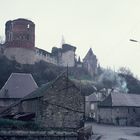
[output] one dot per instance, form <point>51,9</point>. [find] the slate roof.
<point>91,98</point>
<point>41,91</point>
<point>121,100</point>
<point>18,85</point>
<point>85,89</point>
<point>89,55</point>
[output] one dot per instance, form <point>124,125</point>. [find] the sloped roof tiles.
<point>121,100</point>
<point>18,85</point>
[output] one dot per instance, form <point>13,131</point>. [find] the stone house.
<point>57,104</point>
<point>17,86</point>
<point>91,106</point>
<point>119,109</point>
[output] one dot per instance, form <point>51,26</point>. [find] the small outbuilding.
<point>16,87</point>
<point>119,109</point>
<point>57,104</point>
<point>91,106</point>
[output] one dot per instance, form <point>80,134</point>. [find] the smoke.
<point>110,80</point>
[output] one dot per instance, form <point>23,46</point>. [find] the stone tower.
<point>90,63</point>
<point>20,40</point>
<point>20,33</point>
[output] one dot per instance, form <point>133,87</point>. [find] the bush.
<point>16,124</point>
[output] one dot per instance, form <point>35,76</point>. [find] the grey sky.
<point>104,25</point>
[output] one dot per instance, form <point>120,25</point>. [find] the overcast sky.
<point>104,25</point>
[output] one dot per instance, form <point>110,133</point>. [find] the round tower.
<point>20,33</point>
<point>20,41</point>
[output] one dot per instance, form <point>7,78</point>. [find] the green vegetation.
<point>17,125</point>
<point>42,72</point>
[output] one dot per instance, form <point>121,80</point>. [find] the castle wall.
<point>68,59</point>
<point>20,46</point>
<point>47,58</point>
<point>21,55</point>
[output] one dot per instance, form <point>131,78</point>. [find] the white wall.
<point>68,59</point>
<point>21,55</point>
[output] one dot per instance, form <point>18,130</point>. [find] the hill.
<point>42,72</point>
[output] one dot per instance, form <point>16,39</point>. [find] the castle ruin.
<point>20,46</point>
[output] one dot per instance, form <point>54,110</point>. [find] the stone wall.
<point>61,106</point>
<point>37,135</point>
<point>68,58</point>
<point>21,55</point>
<point>58,117</point>
<point>118,115</point>
<point>45,57</point>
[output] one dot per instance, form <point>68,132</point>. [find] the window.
<point>92,106</point>
<point>28,26</point>
<point>134,110</point>
<point>27,37</point>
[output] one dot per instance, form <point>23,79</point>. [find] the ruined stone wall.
<point>21,55</point>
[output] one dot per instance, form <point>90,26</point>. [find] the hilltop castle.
<point>20,46</point>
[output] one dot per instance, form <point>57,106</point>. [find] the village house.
<point>119,109</point>
<point>91,106</point>
<point>57,104</point>
<point>16,87</point>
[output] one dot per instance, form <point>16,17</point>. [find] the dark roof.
<point>67,47</point>
<point>86,88</point>
<point>18,85</point>
<point>42,90</point>
<point>91,98</point>
<point>121,100</point>
<point>89,55</point>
